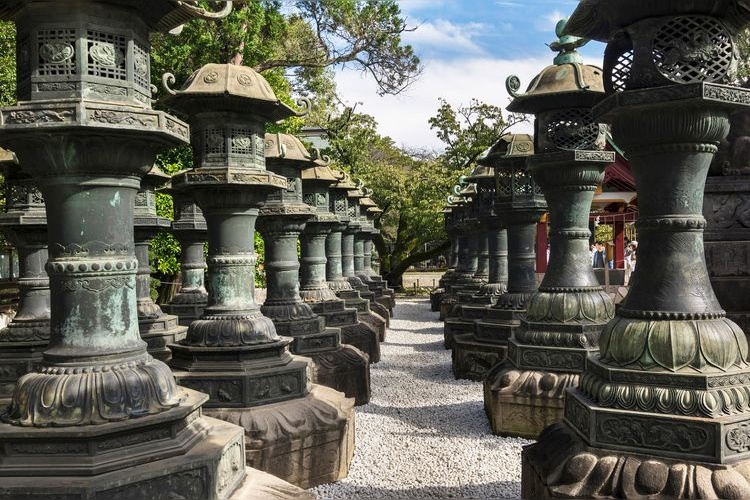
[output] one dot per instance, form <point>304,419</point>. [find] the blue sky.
<point>468,48</point>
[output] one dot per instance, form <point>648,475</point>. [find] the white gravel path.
<point>424,434</point>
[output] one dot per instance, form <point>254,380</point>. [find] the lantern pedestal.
<point>563,320</point>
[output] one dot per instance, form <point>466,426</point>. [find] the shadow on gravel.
<point>429,347</point>
<point>478,491</point>
<point>442,420</point>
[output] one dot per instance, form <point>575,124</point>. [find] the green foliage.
<point>467,131</point>
<point>7,63</point>
<point>260,273</point>
<point>743,44</point>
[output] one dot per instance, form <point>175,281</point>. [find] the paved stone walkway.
<point>424,434</point>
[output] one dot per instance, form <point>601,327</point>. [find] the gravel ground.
<point>424,434</point>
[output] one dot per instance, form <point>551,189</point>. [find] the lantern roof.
<point>568,83</point>
<point>509,146</point>
<point>602,19</point>
<point>228,87</point>
<point>286,148</point>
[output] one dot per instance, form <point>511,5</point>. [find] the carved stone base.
<point>561,465</point>
<point>472,359</point>
<point>262,485</point>
<point>186,313</point>
<point>436,296</point>
<point>498,325</point>
<point>376,322</point>
<point>346,369</point>
<point>306,441</point>
<point>352,299</point>
<point>16,359</point>
<point>447,303</point>
<point>159,332</point>
<point>522,403</point>
<point>387,303</point>
<point>353,331</point>
<point>454,327</point>
<point>174,454</point>
<point>382,311</point>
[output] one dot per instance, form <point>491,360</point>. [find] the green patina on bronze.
<point>672,380</point>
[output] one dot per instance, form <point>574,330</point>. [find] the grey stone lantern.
<point>491,230</point>
<point>665,405</point>
<point>100,417</point>
<point>314,290</point>
<point>464,258</point>
<point>348,238</point>
<point>436,295</point>
<point>157,329</point>
<point>24,224</point>
<point>382,294</point>
<point>339,206</point>
<point>190,230</point>
<point>233,351</point>
<point>564,318</point>
<point>282,220</point>
<point>519,203</point>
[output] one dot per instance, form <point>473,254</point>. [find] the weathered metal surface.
<point>672,380</point>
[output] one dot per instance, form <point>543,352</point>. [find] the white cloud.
<point>404,117</point>
<point>442,34</point>
<point>549,22</point>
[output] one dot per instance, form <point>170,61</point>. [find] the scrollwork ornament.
<point>513,85</point>
<point>56,52</point>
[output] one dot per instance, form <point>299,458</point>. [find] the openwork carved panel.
<point>522,184</point>
<point>56,51</point>
<point>106,55</point>
<point>309,199</point>
<point>692,49</point>
<point>242,142</point>
<point>573,129</point>
<point>141,66</point>
<point>214,141</point>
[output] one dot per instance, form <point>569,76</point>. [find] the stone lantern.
<point>314,290</point>
<point>564,318</point>
<point>100,417</point>
<point>24,224</point>
<point>157,329</point>
<point>664,411</point>
<point>189,228</point>
<point>383,294</point>
<point>464,258</point>
<point>436,295</point>
<point>519,203</point>
<point>339,206</point>
<point>282,220</point>
<point>348,254</point>
<point>233,352</point>
<point>491,228</point>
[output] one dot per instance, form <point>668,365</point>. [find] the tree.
<point>468,130</point>
<point>364,34</point>
<point>7,63</point>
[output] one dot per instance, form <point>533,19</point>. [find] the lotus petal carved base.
<point>17,359</point>
<point>116,390</point>
<point>306,441</point>
<point>321,294</point>
<point>231,330</point>
<point>472,359</point>
<point>570,306</point>
<point>522,403</point>
<point>561,465</point>
<point>340,285</point>
<point>346,369</point>
<point>160,332</point>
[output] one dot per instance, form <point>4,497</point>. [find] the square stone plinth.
<point>306,441</point>
<point>522,416</point>
<point>456,326</point>
<point>472,358</point>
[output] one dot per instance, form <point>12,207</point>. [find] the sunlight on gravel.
<point>424,434</point>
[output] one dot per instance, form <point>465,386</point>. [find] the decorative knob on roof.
<point>566,45</point>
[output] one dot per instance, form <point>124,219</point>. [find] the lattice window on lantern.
<point>56,50</point>
<point>321,200</point>
<point>141,66</point>
<point>621,71</point>
<point>503,187</point>
<point>351,211</point>
<point>486,198</point>
<point>339,205</point>
<point>573,129</point>
<point>309,199</point>
<point>106,55</point>
<point>215,142</point>
<point>522,182</point>
<point>242,142</point>
<point>692,49</point>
